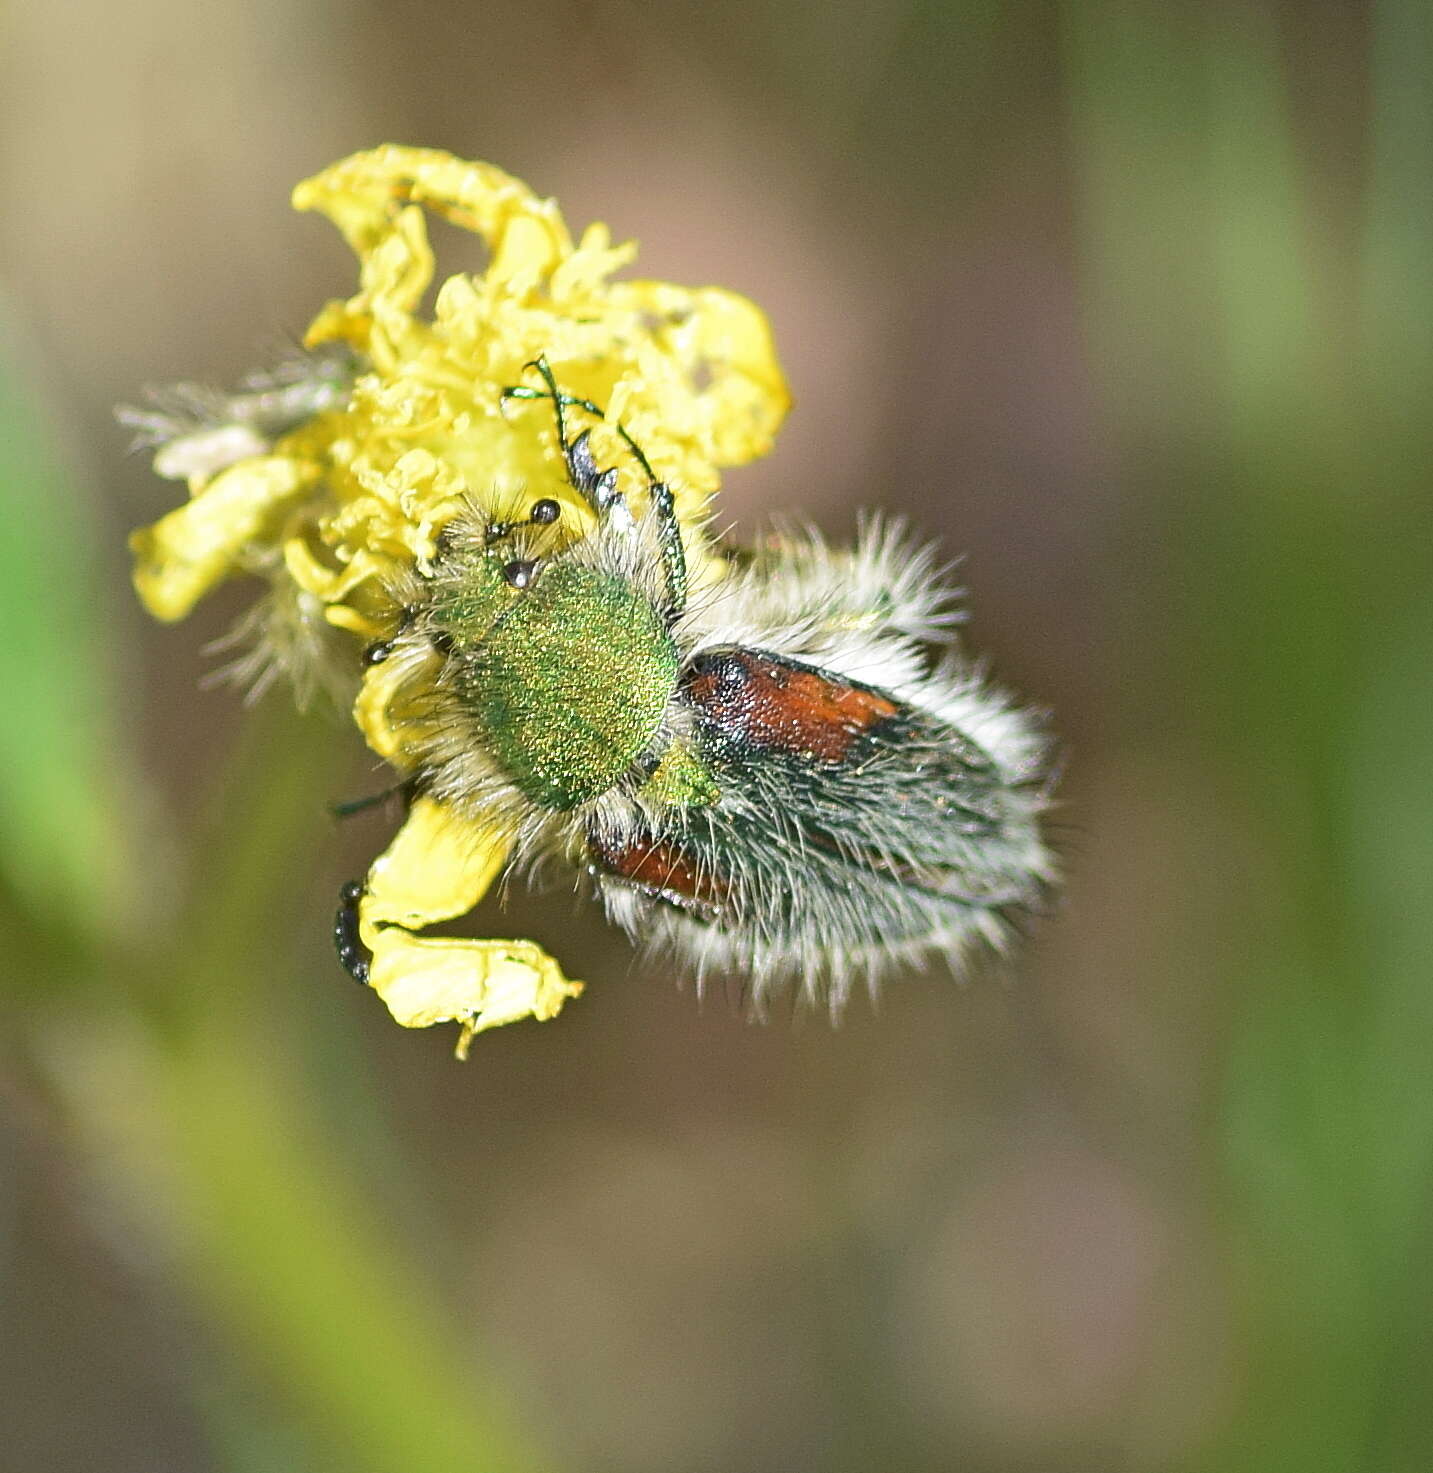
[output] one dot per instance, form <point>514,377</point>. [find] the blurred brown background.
<point>1126,302</point>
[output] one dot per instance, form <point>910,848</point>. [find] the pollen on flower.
<point>333,500</point>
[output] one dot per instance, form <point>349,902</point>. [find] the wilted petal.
<point>438,867</point>
<point>183,555</point>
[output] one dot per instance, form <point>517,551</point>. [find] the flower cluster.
<point>332,486</point>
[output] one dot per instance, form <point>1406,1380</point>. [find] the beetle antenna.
<point>599,488</point>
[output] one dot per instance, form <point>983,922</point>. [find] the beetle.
<point>792,773</point>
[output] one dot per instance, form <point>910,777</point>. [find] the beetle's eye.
<point>520,572</point>
<point>545,512</point>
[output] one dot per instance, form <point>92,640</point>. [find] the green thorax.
<point>571,683</point>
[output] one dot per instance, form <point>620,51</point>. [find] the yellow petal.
<point>328,584</point>
<point>439,866</point>
<point>364,192</point>
<point>480,984</point>
<point>183,555</point>
<point>342,616</point>
<point>586,271</point>
<point>722,342</point>
<point>380,692</point>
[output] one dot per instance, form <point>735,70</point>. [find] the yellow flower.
<point>333,513</point>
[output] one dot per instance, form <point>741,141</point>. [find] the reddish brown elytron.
<point>661,869</point>
<point>773,703</point>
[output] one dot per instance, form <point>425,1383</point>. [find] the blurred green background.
<point>1130,304</point>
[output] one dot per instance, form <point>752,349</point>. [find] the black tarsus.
<point>408,789</point>
<point>355,956</point>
